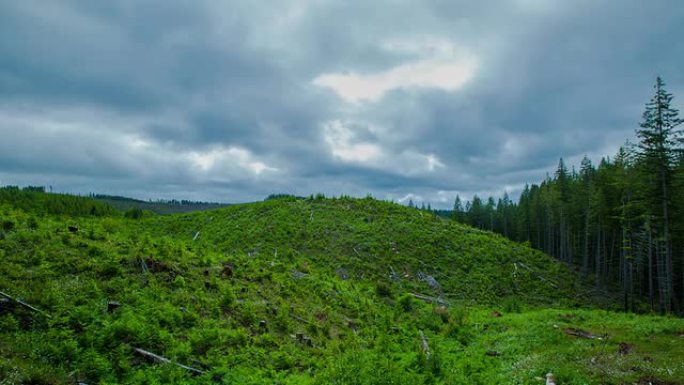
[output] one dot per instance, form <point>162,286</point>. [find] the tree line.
<point>35,199</point>
<point>620,222</point>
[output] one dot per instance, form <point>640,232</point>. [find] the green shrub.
<point>458,316</point>
<point>511,305</point>
<point>32,223</point>
<point>7,225</point>
<point>8,323</point>
<point>134,213</point>
<point>383,289</point>
<point>406,303</point>
<point>228,298</point>
<point>93,366</point>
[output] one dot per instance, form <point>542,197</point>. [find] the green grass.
<point>337,271</point>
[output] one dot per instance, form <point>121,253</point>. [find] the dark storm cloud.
<point>235,100</point>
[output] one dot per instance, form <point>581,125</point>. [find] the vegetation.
<point>622,222</point>
<point>35,200</point>
<point>159,206</point>
<point>303,291</point>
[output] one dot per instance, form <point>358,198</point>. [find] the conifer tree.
<point>459,213</point>
<point>659,140</point>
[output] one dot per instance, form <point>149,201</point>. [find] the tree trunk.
<point>598,270</point>
<point>650,266</point>
<point>585,246</point>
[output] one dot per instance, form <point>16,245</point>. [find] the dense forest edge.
<point>621,222</point>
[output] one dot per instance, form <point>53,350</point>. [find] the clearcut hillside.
<point>376,241</point>
<point>300,291</point>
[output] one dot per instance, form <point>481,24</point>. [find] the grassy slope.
<point>288,259</point>
<point>371,240</point>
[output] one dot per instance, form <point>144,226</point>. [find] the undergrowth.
<point>304,291</point>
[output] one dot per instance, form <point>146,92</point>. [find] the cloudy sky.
<point>233,100</point>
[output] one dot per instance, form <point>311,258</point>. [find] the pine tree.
<point>459,213</point>
<point>563,187</point>
<point>585,200</point>
<point>476,213</point>
<point>659,141</point>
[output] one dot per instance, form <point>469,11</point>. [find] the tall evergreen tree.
<point>659,140</point>
<point>584,199</point>
<point>459,213</point>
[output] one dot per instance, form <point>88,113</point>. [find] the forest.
<point>620,222</point>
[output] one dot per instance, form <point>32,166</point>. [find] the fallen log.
<point>553,284</point>
<point>24,304</point>
<point>300,319</point>
<point>424,344</point>
<point>164,360</point>
<point>429,299</point>
<point>582,334</point>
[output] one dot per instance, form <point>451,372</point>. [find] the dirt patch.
<point>624,348</point>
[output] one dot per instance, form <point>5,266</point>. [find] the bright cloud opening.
<point>433,162</point>
<point>218,157</point>
<point>340,140</point>
<point>441,67</point>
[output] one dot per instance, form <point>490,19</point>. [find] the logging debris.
<point>430,280</point>
<point>301,338</point>
<point>23,304</point>
<point>582,334</point>
<point>424,344</point>
<point>112,305</point>
<point>553,284</point>
<point>164,360</point>
<point>429,299</point>
<point>550,379</point>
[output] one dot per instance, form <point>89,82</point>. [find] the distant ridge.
<point>160,206</point>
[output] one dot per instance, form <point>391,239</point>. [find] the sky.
<point>231,101</point>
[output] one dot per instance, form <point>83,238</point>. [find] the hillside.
<point>304,291</point>
<point>163,207</point>
<point>371,240</point>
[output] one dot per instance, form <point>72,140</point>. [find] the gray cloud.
<point>224,101</point>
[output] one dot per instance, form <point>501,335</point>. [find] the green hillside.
<point>375,241</point>
<point>304,291</point>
